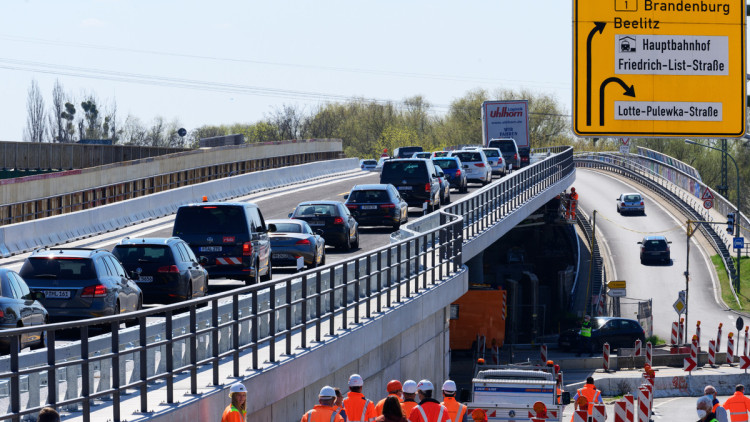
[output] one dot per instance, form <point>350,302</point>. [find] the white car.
<point>368,165</point>
<point>495,157</point>
<point>425,155</point>
<point>475,164</point>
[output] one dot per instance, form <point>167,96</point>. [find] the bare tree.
<point>36,117</point>
<point>288,121</point>
<point>56,120</point>
<point>133,132</point>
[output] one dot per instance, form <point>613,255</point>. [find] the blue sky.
<point>269,53</point>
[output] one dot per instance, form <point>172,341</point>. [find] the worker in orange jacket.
<point>458,412</point>
<point>738,405</point>
<point>394,389</point>
<point>326,410</point>
<point>357,407</point>
<point>429,409</point>
<point>410,397</point>
<point>591,393</point>
<point>236,411</point>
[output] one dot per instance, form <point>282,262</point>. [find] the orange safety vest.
<point>429,411</point>
<point>456,410</point>
<point>320,413</point>
<point>738,405</point>
<point>381,403</point>
<point>232,414</point>
<point>591,394</point>
<point>407,406</point>
<point>358,408</point>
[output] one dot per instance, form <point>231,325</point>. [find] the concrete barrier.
<point>27,236</point>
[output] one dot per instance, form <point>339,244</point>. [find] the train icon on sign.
<point>627,44</point>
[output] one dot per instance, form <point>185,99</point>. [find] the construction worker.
<point>703,407</point>
<point>340,403</point>
<point>429,409</point>
<point>410,393</point>
<point>738,405</point>
<point>573,203</point>
<point>591,393</point>
<point>325,410</point>
<point>584,335</point>
<point>236,412</point>
<point>458,412</point>
<point>717,409</point>
<point>357,407</point>
<point>393,388</point>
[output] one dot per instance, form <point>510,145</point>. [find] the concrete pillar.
<point>514,295</point>
<point>34,387</point>
<point>71,386</point>
<point>535,308</point>
<point>105,375</point>
<point>476,269</point>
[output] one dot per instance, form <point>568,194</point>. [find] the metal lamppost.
<point>737,218</point>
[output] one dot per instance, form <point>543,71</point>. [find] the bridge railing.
<point>273,319</point>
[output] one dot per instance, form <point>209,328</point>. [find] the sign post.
<point>641,68</point>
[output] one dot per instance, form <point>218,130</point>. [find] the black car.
<point>415,179</point>
<point>229,238</point>
<point>406,152</point>
<point>294,239</point>
<point>655,248</point>
<point>618,332</point>
<point>164,268</point>
<point>339,228</point>
<point>377,205</point>
<point>81,283</point>
<point>19,307</point>
<point>509,148</point>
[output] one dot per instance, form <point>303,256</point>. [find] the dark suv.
<point>655,248</point>
<point>164,268</point>
<point>415,179</point>
<point>406,152</point>
<point>230,239</point>
<point>80,283</point>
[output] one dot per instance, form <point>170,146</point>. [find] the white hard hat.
<point>356,381</point>
<point>237,387</point>
<point>327,392</point>
<point>424,385</point>
<point>449,386</point>
<point>410,387</point>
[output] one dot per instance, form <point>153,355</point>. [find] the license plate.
<point>56,294</point>
<point>316,223</point>
<point>145,279</point>
<point>369,207</point>
<point>404,188</point>
<point>210,249</point>
<point>280,256</point>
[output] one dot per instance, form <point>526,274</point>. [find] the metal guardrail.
<point>665,188</point>
<point>17,212</point>
<point>598,272</point>
<point>270,316</point>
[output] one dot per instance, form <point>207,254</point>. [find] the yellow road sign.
<point>659,68</point>
<point>616,284</point>
<point>679,306</point>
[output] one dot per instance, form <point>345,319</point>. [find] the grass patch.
<point>655,340</point>
<point>726,291</point>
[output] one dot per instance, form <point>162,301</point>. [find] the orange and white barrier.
<point>681,331</point>
<point>744,352</point>
<point>638,348</point>
<point>630,406</point>
<point>621,411</point>
<point>599,414</point>
<point>730,348</point>
<point>543,353</point>
<point>644,407</point>
<point>605,355</point>
<point>674,338</point>
<point>712,352</point>
<point>649,353</point>
<point>718,338</point>
<point>698,332</point>
<point>580,416</point>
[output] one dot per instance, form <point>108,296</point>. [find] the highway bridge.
<point>380,311</point>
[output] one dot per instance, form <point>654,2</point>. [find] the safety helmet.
<point>550,363</point>
<point>572,189</point>
<point>410,387</point>
<point>327,392</point>
<point>424,385</point>
<point>356,381</point>
<point>449,386</point>
<point>237,387</point>
<point>393,385</point>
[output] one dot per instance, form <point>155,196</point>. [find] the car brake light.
<point>641,202</point>
<point>351,206</point>
<point>247,249</point>
<point>479,164</point>
<point>458,172</point>
<point>427,187</point>
<point>338,220</point>
<point>2,314</point>
<point>362,166</point>
<point>515,156</point>
<point>303,242</point>
<point>667,248</point>
<point>388,206</point>
<point>168,269</point>
<point>208,208</point>
<point>94,291</point>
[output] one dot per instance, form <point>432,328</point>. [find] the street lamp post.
<point>737,218</point>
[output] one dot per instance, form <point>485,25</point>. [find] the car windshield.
<point>440,153</point>
<point>468,156</point>
<point>398,170</point>
<point>62,268</point>
<point>316,210</point>
<point>506,146</point>
<point>422,155</point>
<point>288,228</point>
<point>598,322</point>
<point>632,198</point>
<point>655,245</point>
<point>491,153</point>
<point>447,164</point>
<point>368,196</point>
<point>136,254</point>
<point>370,162</point>
<point>210,219</point>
